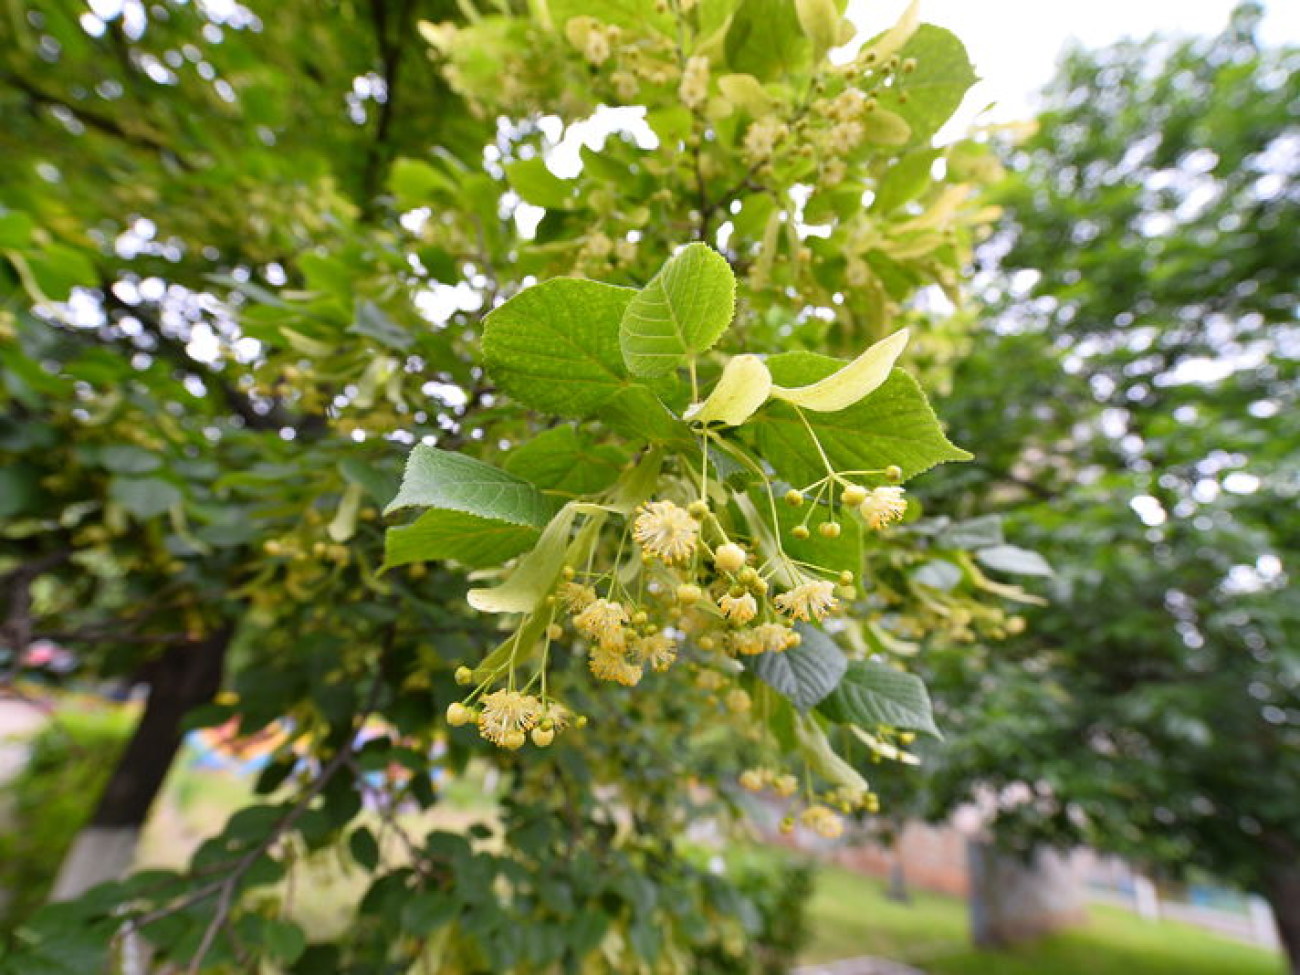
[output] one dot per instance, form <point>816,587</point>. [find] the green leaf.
<point>144,497</point>
<point>425,913</point>
<point>379,484</point>
<point>805,673</point>
<point>979,532</point>
<point>638,413</point>
<point>904,181</point>
<point>537,185</point>
<point>440,479</point>
<point>15,229</point>
<point>416,183</point>
<point>874,694</point>
<point>766,40</point>
<point>886,128</point>
<point>19,489</point>
<point>58,269</point>
<point>555,346</point>
<point>1018,561</point>
<point>682,311</point>
<point>373,322</point>
<point>284,940</point>
<point>566,462</point>
<point>129,459</point>
<point>942,77</point>
<point>894,425</point>
<point>364,848</point>
<point>468,539</point>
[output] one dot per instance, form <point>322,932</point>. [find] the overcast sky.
<point>1014,44</point>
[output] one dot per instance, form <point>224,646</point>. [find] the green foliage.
<point>222,342</point>
<point>1151,458</point>
<point>50,799</point>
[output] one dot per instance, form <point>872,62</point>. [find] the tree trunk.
<point>1282,891</point>
<point>897,873</point>
<point>1014,899</point>
<point>184,677</point>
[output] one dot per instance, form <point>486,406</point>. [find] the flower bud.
<point>729,557</point>
<point>458,715</point>
<point>542,737</point>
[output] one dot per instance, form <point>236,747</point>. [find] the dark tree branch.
<point>105,124</point>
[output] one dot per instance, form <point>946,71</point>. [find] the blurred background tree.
<point>1134,396</point>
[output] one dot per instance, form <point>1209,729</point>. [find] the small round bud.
<point>729,557</point>
<point>800,531</point>
<point>829,529</point>
<point>706,643</point>
<point>640,617</point>
<point>749,575</point>
<point>580,721</point>
<point>568,572</point>
<point>650,629</point>
<point>785,785</point>
<point>846,578</point>
<point>513,740</point>
<point>854,494</point>
<point>906,737</point>
<point>464,675</point>
<point>458,715</point>
<point>893,473</point>
<point>554,631</point>
<point>794,498</point>
<point>787,825</point>
<point>689,593</point>
<point>698,509</point>
<point>542,737</point>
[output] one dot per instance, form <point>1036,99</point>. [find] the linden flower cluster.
<point>507,717</point>
<point>819,816</point>
<point>695,582</point>
<point>879,507</point>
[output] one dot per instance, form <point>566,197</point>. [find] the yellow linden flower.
<point>747,642</point>
<point>774,637</point>
<point>506,712</point>
<point>822,821</point>
<point>603,621</point>
<point>808,600</point>
<point>883,506</point>
<point>575,597</point>
<point>658,650</point>
<point>739,609</point>
<point>558,715</point>
<point>667,531</point>
<point>611,664</point>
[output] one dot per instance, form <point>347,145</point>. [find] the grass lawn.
<point>851,916</point>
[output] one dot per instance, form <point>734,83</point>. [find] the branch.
<point>390,58</point>
<point>100,123</point>
<point>224,888</point>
